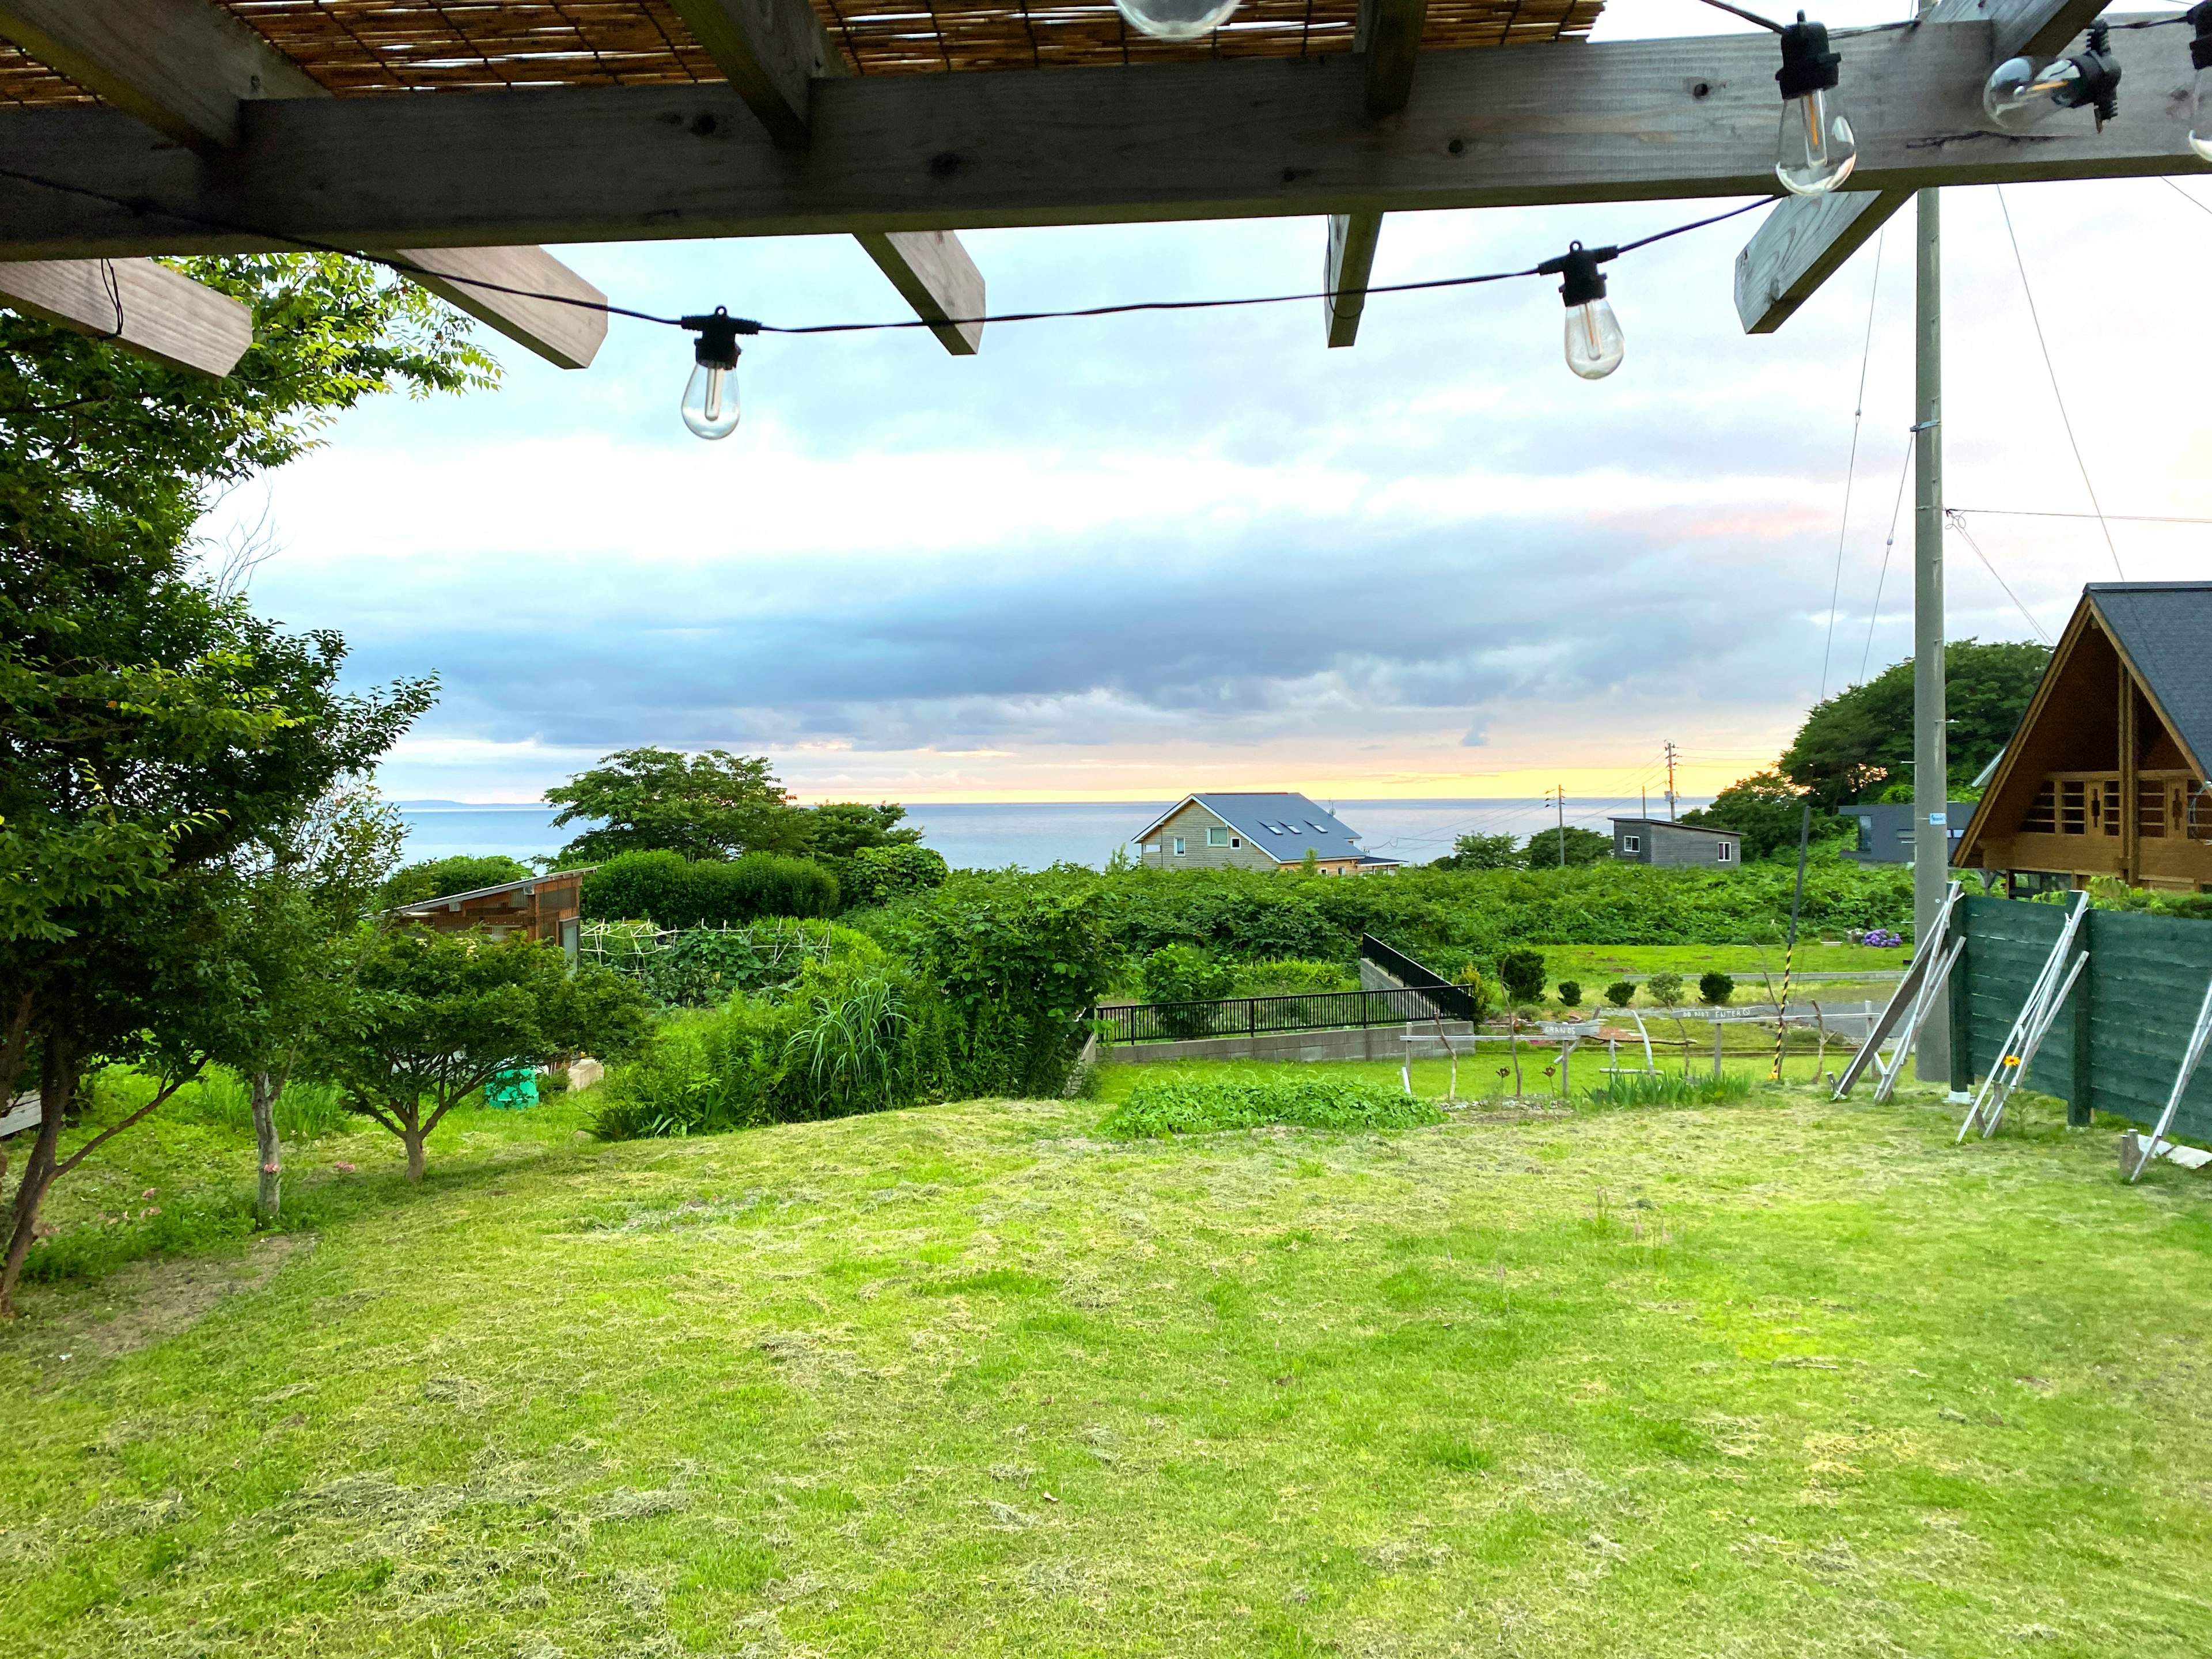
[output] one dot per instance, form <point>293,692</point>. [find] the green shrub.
<point>877,875</point>
<point>1625,1088</point>
<point>1715,988</point>
<point>1524,973</point>
<point>675,891</point>
<point>1621,992</point>
<point>305,1111</point>
<point>1185,1106</point>
<point>1019,966</point>
<point>1666,989</point>
<point>1570,993</point>
<point>1289,975</point>
<point>1182,973</point>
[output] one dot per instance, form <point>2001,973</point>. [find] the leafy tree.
<point>1715,988</point>
<point>1859,742</point>
<point>1766,810</point>
<point>443,877</point>
<point>1621,992</point>
<point>434,1016</point>
<point>1483,853</point>
<point>1666,988</point>
<point>1570,993</point>
<point>297,934</point>
<point>1582,847</point>
<point>839,828</point>
<point>154,727</point>
<point>1522,972</point>
<point>711,806</point>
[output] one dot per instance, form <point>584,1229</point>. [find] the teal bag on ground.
<point>513,1091</point>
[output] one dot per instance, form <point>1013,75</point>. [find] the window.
<point>1316,828</point>
<point>1236,840</point>
<point>1727,853</point>
<point>1178,846</point>
<point>1632,843</point>
<point>1866,834</point>
<point>1217,837</point>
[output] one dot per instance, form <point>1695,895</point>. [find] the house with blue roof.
<point>1261,831</point>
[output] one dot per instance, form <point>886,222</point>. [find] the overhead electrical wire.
<point>1959,524</point>
<point>1851,468</point>
<point>2050,368</point>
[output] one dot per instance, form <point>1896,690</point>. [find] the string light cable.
<point>716,350</point>
<point>1896,509</point>
<point>1850,467</point>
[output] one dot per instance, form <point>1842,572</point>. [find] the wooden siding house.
<point>1677,846</point>
<point>540,907</point>
<point>1269,831</point>
<point>2106,774</point>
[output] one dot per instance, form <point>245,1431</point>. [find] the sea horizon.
<point>1033,834</point>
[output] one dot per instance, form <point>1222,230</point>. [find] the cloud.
<point>1137,554</point>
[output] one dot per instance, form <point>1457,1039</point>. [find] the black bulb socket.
<point>1581,281</point>
<point>2098,71</point>
<point>1808,65</point>
<point>2200,49</point>
<point>717,345</point>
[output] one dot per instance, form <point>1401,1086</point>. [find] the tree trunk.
<point>413,1139</point>
<point>57,1084</point>
<point>267,1092</point>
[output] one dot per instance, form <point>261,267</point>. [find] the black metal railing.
<point>1235,1016</point>
<point>1452,1001</point>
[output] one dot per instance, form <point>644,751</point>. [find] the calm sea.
<point>1031,835</point>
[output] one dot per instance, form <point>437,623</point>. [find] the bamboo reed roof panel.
<point>366,47</point>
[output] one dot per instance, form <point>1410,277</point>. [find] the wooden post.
<point>2131,784</point>
<point>1716,1046</point>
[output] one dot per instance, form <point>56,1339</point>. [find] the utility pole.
<point>1931,769</point>
<point>1670,779</point>
<point>1559,794</point>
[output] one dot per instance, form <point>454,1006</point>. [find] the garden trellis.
<point>705,963</point>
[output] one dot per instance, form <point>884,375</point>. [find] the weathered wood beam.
<point>936,277</point>
<point>149,309</point>
<point>1389,35</point>
<point>565,335</point>
<point>1390,39</point>
<point>1806,239</point>
<point>1623,121</point>
<point>1345,273</point>
<point>183,67</point>
<point>186,69</point>
<point>772,51</point>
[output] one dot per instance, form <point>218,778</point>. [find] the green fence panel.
<point>2144,984</point>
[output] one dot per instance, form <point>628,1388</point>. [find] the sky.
<point>1125,558</point>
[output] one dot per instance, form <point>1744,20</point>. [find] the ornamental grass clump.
<point>1627,1089</point>
<point>1188,1106</point>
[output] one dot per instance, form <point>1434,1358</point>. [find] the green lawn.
<point>1785,1378</point>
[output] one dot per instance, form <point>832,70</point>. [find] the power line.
<point>2050,369</point>
<point>2030,512</point>
<point>1959,524</point>
<point>1887,547</point>
<point>1850,469</point>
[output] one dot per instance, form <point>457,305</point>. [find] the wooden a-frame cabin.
<point>2106,775</point>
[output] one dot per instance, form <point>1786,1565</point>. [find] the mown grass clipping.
<point>1188,1106</point>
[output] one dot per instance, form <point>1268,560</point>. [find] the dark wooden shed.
<point>540,907</point>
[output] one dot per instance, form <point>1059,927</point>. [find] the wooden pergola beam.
<point>188,70</point>
<point>1807,239</point>
<point>1213,140</point>
<point>772,52</point>
<point>1390,39</point>
<point>142,307</point>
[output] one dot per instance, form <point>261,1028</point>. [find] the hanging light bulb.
<point>1595,347</point>
<point>2200,94</point>
<point>1176,20</point>
<point>1815,151</point>
<point>710,397</point>
<point>2018,95</point>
